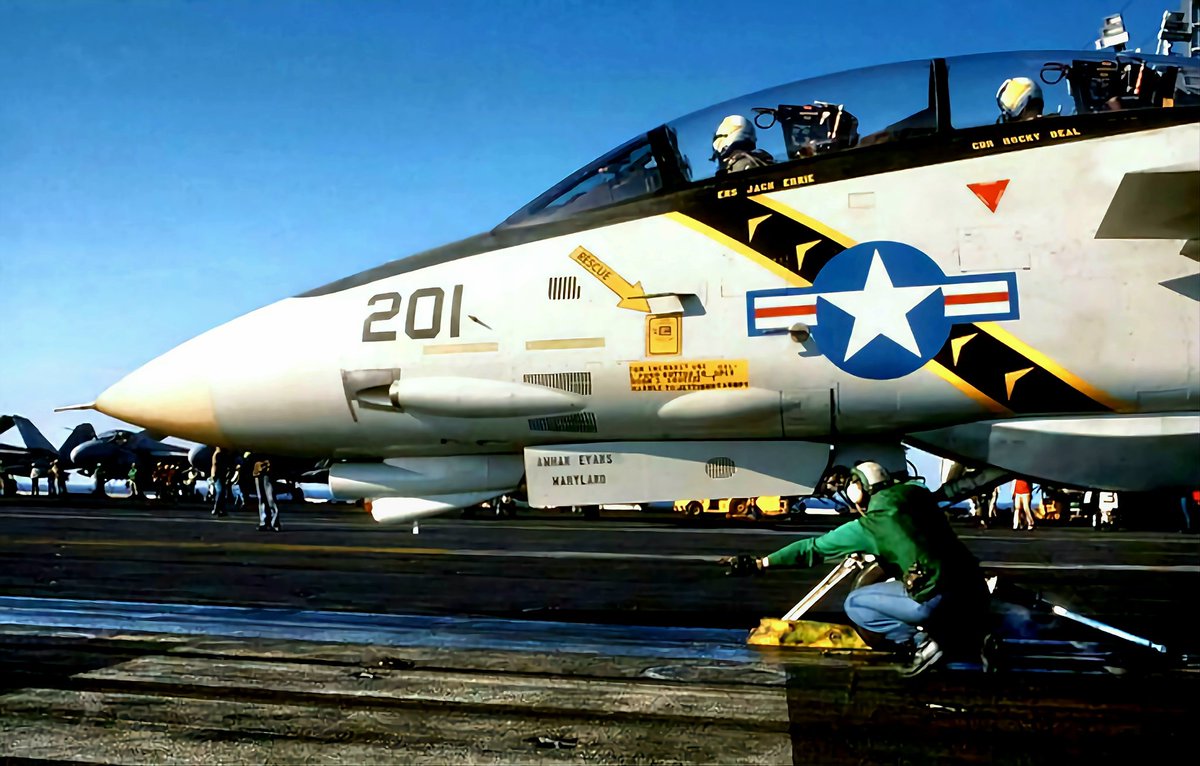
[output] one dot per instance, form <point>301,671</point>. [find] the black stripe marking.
<point>775,238</point>
<point>984,361</point>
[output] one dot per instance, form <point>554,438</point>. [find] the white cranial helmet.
<point>871,476</point>
<point>733,129</point>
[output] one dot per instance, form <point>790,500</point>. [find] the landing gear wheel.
<point>507,506</point>
<point>737,507</point>
<point>694,509</point>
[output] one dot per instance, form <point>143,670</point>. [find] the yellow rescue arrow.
<point>630,294</point>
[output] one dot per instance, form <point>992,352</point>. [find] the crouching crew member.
<point>939,599</point>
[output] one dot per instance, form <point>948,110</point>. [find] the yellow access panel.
<point>664,335</point>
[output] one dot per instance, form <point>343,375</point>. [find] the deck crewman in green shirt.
<point>938,598</point>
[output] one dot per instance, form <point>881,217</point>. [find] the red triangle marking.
<point>990,193</point>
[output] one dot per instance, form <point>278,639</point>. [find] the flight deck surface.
<point>134,634</point>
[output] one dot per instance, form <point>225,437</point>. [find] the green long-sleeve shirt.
<point>836,543</point>
<point>903,527</point>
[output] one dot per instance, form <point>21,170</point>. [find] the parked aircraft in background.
<point>36,450</point>
<point>117,450</point>
<point>1014,286</point>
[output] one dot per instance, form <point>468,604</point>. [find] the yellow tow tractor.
<point>754,508</point>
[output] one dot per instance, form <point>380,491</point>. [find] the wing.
<point>147,443</point>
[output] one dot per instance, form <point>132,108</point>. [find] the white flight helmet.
<point>733,129</point>
<point>866,479</point>
<point>1017,94</point>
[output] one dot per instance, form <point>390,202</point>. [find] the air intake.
<point>571,382</point>
<point>563,289</point>
<point>578,423</point>
<point>720,468</point>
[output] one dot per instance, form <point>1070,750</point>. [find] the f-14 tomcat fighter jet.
<point>992,257</point>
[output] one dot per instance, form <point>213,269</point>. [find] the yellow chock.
<point>805,633</point>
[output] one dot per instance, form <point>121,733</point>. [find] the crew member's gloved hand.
<point>742,565</point>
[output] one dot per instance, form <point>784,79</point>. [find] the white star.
<point>880,309</point>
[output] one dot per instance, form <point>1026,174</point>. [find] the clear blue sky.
<point>167,166</point>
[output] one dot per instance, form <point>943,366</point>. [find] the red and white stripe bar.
<point>972,298</point>
<point>779,312</point>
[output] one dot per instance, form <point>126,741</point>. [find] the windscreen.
<point>1066,83</point>
<point>811,117</point>
<point>626,173</point>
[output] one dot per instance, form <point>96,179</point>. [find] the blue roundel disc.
<point>880,310</point>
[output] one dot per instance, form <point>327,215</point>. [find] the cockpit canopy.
<point>851,111</point>
<point>118,437</point>
<point>810,129</point>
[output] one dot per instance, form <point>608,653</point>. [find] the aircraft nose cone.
<point>170,395</point>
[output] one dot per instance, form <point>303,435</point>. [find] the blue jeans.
<point>218,495</point>
<point>887,609</point>
<point>268,512</point>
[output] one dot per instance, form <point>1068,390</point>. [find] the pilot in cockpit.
<point>1019,99</point>
<point>735,146</point>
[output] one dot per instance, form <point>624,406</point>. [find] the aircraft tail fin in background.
<point>32,436</point>
<point>84,432</point>
<point>6,422</point>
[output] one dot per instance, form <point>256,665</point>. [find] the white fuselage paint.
<point>1094,306</point>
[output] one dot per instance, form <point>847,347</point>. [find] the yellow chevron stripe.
<point>987,402</point>
<point>731,243</point>
<point>1053,367</point>
<point>812,223</point>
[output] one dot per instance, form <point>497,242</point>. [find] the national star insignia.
<point>881,308</point>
